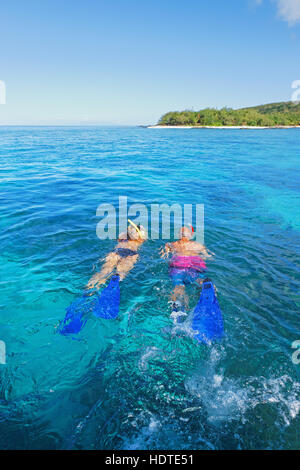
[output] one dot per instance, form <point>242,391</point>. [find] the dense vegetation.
<point>274,114</point>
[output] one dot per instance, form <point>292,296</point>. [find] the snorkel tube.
<point>136,228</point>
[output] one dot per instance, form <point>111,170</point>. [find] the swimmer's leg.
<point>177,292</point>
<point>125,265</point>
<point>178,277</point>
<point>111,261</point>
<point>179,303</point>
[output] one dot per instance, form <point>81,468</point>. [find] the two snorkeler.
<point>186,266</point>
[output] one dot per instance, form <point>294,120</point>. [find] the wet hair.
<point>131,231</point>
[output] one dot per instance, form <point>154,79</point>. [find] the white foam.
<point>150,353</point>
<point>228,399</point>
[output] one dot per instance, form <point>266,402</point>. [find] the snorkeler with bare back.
<point>123,258</point>
<point>186,266</point>
<point>104,302</point>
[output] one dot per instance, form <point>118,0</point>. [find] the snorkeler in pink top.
<point>187,266</point>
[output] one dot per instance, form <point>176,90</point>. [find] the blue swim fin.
<point>103,305</point>
<point>207,318</point>
<point>76,315</point>
<point>108,302</point>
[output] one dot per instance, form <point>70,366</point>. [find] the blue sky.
<point>128,62</point>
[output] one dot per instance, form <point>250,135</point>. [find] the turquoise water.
<point>136,383</point>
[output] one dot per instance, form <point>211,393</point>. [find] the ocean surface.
<point>137,382</point>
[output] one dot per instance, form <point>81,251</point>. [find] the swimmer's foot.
<point>95,282</point>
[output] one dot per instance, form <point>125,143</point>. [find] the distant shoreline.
<point>283,115</point>
<point>221,127</point>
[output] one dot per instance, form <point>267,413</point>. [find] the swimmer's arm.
<point>204,251</point>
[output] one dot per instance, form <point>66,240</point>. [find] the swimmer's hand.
<point>210,253</point>
<point>205,252</point>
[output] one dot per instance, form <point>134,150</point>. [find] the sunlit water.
<point>135,382</point>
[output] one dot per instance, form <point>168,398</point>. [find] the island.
<point>273,115</point>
